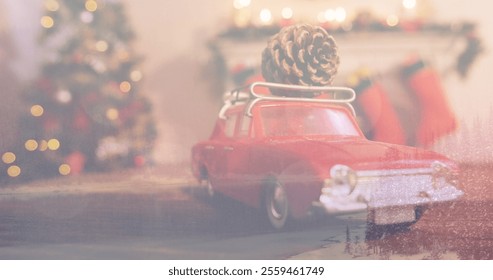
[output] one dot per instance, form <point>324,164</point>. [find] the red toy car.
<point>289,155</point>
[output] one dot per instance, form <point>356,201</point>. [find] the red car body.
<point>287,155</point>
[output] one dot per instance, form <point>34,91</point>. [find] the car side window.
<point>244,130</point>
<point>229,129</point>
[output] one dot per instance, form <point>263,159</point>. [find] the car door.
<point>222,147</point>
<point>237,153</point>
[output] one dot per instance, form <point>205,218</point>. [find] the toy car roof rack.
<point>306,94</point>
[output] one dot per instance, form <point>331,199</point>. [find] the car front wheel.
<point>276,205</point>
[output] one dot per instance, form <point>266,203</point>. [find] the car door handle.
<point>209,147</point>
<point>227,148</point>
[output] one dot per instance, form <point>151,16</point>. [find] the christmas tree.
<point>9,105</point>
<point>85,113</point>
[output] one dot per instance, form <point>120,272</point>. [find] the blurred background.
<point>102,85</point>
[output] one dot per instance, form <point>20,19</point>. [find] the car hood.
<point>361,154</point>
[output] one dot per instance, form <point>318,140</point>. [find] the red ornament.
<point>76,160</point>
<point>411,25</point>
<point>51,124</point>
<point>139,161</point>
<point>45,85</point>
<point>81,121</point>
<point>131,110</point>
<point>286,22</point>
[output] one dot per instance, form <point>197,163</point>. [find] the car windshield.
<point>306,120</point>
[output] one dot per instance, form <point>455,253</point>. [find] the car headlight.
<point>441,170</point>
<point>344,175</point>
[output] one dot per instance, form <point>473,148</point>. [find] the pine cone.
<point>301,55</point>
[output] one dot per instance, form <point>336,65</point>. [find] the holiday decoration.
<point>301,55</point>
<point>381,122</point>
<point>474,47</point>
<point>411,18</point>
<point>308,154</point>
<point>9,105</point>
<point>436,117</point>
<point>87,93</point>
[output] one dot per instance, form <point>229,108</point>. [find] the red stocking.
<point>383,122</point>
<point>436,117</point>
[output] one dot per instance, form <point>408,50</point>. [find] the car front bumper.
<point>387,188</point>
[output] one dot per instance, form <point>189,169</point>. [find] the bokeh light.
<point>63,96</point>
<point>392,20</point>
<point>409,4</point>
<point>31,145</point>
<point>47,22</point>
<point>136,75</point>
<point>340,14</point>
<point>329,15</point>
<point>37,110</point>
<point>240,4</point>
<point>91,5</point>
<point>52,5</point>
<point>287,13</point>
<point>53,144</point>
<point>14,171</point>
<point>86,17</point>
<point>43,145</point>
<point>112,114</point>
<point>265,16</point>
<point>101,46</point>
<point>8,157</point>
<point>125,86</point>
<point>123,55</point>
<point>64,169</point>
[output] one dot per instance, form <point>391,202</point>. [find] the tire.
<point>276,205</point>
<point>209,188</point>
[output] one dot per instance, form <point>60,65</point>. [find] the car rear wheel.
<point>209,188</point>
<point>276,205</point>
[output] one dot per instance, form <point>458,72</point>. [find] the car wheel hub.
<point>278,203</point>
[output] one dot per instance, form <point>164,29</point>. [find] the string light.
<point>101,46</point>
<point>86,17</point>
<point>392,20</point>
<point>125,87</point>
<point>265,16</point>
<point>8,157</point>
<point>340,14</point>
<point>240,4</point>
<point>31,145</point>
<point>37,110</point>
<point>52,5</point>
<point>91,5</point>
<point>47,22</point>
<point>330,15</point>
<point>64,169</point>
<point>136,75</point>
<point>14,171</point>
<point>43,145</point>
<point>242,19</point>
<point>63,96</point>
<point>123,55</point>
<point>287,13</point>
<point>112,114</point>
<point>409,4</point>
<point>53,144</point>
